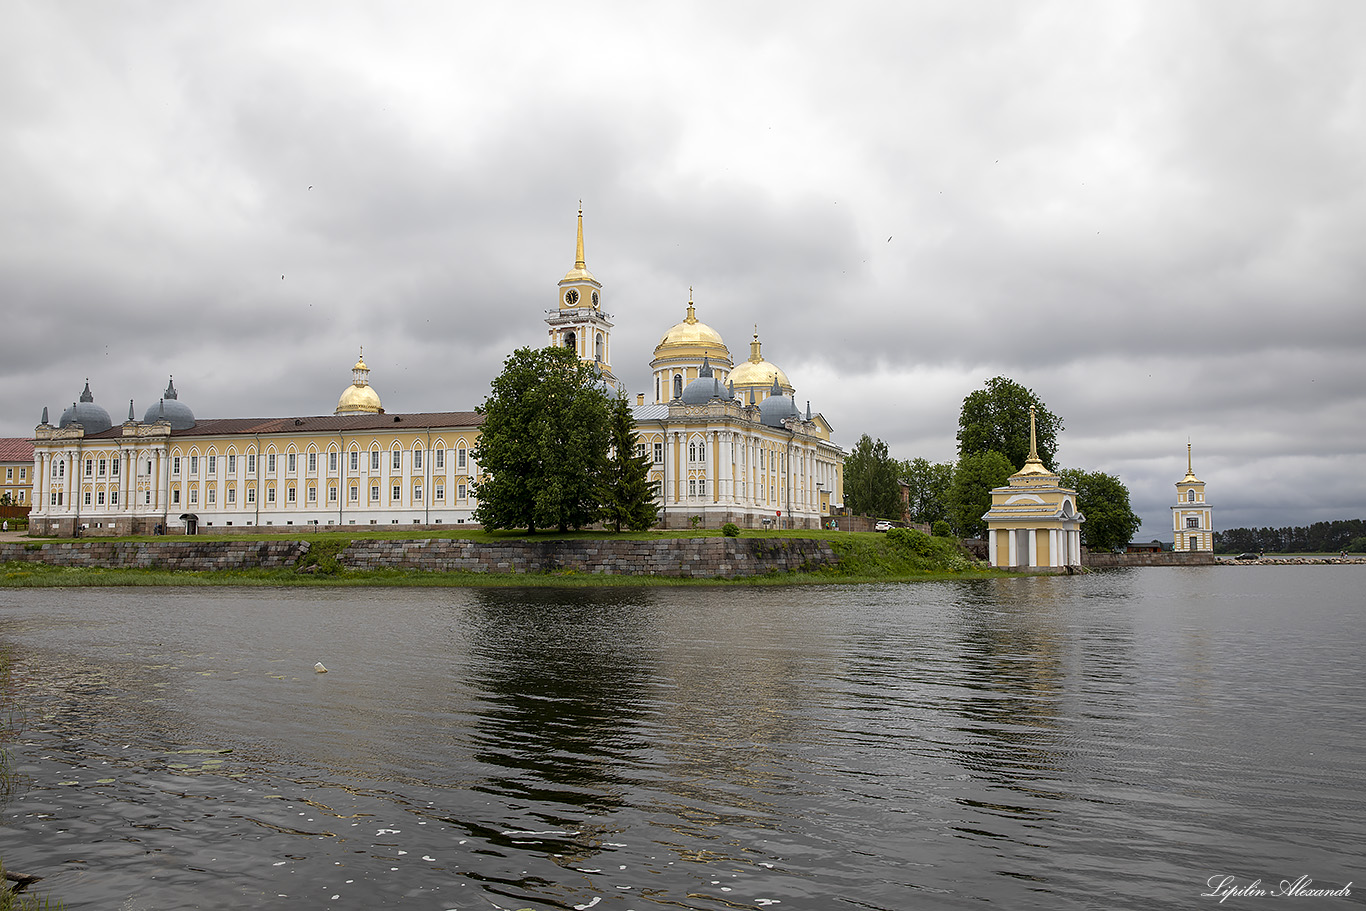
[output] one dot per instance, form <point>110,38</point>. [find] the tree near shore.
<point>626,495</point>
<point>542,449</point>
<point>970,496</point>
<point>1104,501</point>
<point>996,418</point>
<point>870,481</point>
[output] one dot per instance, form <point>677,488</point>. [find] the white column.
<point>991,546</point>
<point>1011,536</point>
<point>1054,558</point>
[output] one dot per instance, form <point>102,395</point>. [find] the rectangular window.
<point>1192,522</point>
<point>355,460</point>
<point>398,492</point>
<point>417,494</point>
<point>89,467</point>
<point>290,495</point>
<point>175,496</point>
<point>114,468</point>
<point>270,494</point>
<point>417,460</point>
<point>194,464</point>
<point>640,450</point>
<point>460,491</point>
<point>99,498</point>
<point>232,463</point>
<point>658,487</point>
<point>398,460</point>
<point>213,464</point>
<point>23,473</point>
<point>194,495</point>
<point>374,460</point>
<point>702,487</point>
<point>312,494</point>
<point>331,461</point>
<point>270,463</point>
<point>439,493</point>
<point>232,494</point>
<point>103,464</point>
<point>312,462</point>
<point>52,495</point>
<point>355,493</point>
<point>211,495</point>
<point>374,494</point>
<point>9,474</point>
<point>692,488</point>
<point>147,497</point>
<point>293,463</point>
<point>251,494</point>
<point>332,494</point>
<point>441,458</point>
<point>659,453</point>
<point>460,457</point>
<point>251,463</point>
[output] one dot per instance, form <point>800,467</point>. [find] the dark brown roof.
<point>15,450</point>
<point>327,423</point>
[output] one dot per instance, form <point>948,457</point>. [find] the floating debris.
<point>319,668</point>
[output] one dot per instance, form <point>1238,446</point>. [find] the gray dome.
<point>778,408</point>
<point>170,409</point>
<point>86,413</point>
<point>703,390</point>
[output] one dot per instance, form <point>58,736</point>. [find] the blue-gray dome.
<point>90,416</point>
<point>777,407</point>
<point>703,390</point>
<point>170,408</point>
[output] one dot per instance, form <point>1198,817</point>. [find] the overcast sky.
<point>1153,214</point>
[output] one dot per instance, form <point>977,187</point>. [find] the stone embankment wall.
<point>695,558</point>
<point>1163,558</point>
<point>688,558</point>
<point>181,553</point>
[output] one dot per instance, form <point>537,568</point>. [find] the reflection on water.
<point>1104,741</point>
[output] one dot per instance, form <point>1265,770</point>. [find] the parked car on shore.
<point>883,525</point>
<point>1248,557</point>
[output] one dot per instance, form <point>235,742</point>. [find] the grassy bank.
<point>901,555</point>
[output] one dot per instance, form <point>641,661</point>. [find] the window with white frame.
<point>114,467</point>
<point>175,496</point>
<point>270,463</point>
<point>417,493</point>
<point>290,495</point>
<point>460,491</point>
<point>417,460</point>
<point>113,498</point>
<point>312,494</point>
<point>374,460</point>
<point>210,495</point>
<point>355,460</point>
<point>355,493</point>
<point>89,467</point>
<point>439,492</point>
<point>659,453</point>
<point>232,463</point>
<point>251,463</point>
<point>194,495</point>
<point>293,463</point>
<point>331,461</point>
<point>194,464</point>
<point>374,494</point>
<point>460,457</point>
<point>398,493</point>
<point>232,495</point>
<point>270,494</point>
<point>213,464</point>
<point>251,494</point>
<point>1192,521</point>
<point>331,494</point>
<point>312,462</point>
<point>398,460</point>
<point>440,458</point>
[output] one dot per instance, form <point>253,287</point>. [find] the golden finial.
<point>692,314</point>
<point>1033,445</point>
<point>1189,469</point>
<point>578,249</point>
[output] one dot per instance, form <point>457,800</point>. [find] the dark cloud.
<point>1150,214</point>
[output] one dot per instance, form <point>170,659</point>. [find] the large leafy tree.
<point>997,418</point>
<point>871,487</point>
<point>542,448</point>
<point>1104,501</point>
<point>929,484</point>
<point>970,495</point>
<point>627,497</point>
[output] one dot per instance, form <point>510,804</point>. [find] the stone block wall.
<point>1165,558</point>
<point>179,554</point>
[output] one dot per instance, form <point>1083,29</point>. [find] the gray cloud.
<point>1149,213</point>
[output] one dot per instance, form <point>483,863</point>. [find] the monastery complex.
<point>727,443</point>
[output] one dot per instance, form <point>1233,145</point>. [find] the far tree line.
<point>993,443</point>
<point>1319,538</point>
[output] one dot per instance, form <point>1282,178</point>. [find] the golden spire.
<point>692,314</point>
<point>578,248</point>
<point>755,356</point>
<point>1189,469</point>
<point>1033,465</point>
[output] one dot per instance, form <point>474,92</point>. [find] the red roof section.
<point>16,450</point>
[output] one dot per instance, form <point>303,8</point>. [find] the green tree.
<point>997,418</point>
<point>542,448</point>
<point>870,480</point>
<point>929,484</point>
<point>1104,501</point>
<point>627,496</point>
<point>970,496</point>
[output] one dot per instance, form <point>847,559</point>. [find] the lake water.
<point>1108,741</point>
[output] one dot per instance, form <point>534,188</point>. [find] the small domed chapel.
<point>726,442</point>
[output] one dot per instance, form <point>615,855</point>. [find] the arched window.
<point>678,385</point>
<point>1190,496</point>
<point>656,387</point>
<point>692,452</point>
<point>599,348</point>
<point>571,342</point>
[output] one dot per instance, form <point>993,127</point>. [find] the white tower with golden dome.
<point>1192,517</point>
<point>757,375</point>
<point>680,353</point>
<point>360,397</point>
<point>578,321</point>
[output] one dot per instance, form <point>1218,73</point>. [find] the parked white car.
<point>883,525</point>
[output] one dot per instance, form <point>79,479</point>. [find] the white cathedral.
<point>727,443</point>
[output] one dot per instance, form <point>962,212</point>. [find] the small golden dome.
<point>360,397</point>
<point>358,400</point>
<point>758,372</point>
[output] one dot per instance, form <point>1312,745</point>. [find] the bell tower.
<point>1192,517</point>
<point>578,321</point>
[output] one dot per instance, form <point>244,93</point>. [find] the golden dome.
<point>360,397</point>
<point>693,333</point>
<point>758,372</point>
